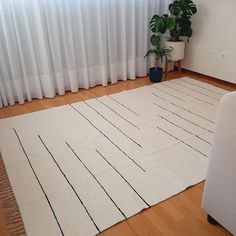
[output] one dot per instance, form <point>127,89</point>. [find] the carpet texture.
<point>81,168</point>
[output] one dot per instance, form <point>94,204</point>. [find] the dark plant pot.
<point>155,75</point>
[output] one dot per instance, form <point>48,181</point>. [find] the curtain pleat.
<point>50,46</point>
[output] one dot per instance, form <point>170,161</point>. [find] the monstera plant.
<point>179,25</point>
<point>179,22</point>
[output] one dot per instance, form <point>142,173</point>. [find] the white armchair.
<point>219,197</point>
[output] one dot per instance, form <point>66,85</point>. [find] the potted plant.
<point>157,26</point>
<point>179,25</point>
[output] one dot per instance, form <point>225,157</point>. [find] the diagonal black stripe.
<point>112,124</point>
<point>202,87</point>
<point>185,130</point>
<point>123,178</point>
<point>181,141</point>
<point>117,113</point>
<point>195,149</point>
<point>32,168</point>
<point>169,94</point>
<point>108,139</point>
<point>203,139</point>
<point>188,94</point>
<point>96,180</point>
<point>69,183</point>
<point>182,117</point>
<point>123,105</point>
<point>182,108</point>
<point>197,91</point>
<point>176,125</point>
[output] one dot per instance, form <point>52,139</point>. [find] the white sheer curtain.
<point>50,46</point>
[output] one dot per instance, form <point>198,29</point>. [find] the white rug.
<point>81,168</point>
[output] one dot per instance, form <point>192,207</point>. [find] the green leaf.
<point>163,29</point>
<point>155,23</point>
<point>187,31</point>
<point>150,52</point>
<point>174,10</point>
<point>155,41</point>
<point>161,53</point>
<point>193,9</point>
<point>158,23</point>
<point>182,11</point>
<point>171,23</point>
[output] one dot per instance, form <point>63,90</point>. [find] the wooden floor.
<point>179,215</point>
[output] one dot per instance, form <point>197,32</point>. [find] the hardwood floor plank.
<point>159,222</point>
<point>123,229</point>
<point>3,229</point>
<point>142,225</point>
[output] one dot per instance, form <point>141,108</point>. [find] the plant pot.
<point>177,52</point>
<point>155,75</point>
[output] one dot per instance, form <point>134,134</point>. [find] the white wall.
<point>212,48</point>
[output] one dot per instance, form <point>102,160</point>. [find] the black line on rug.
<point>188,94</point>
<point>123,178</point>
<point>203,139</point>
<point>184,129</point>
<point>182,117</point>
<point>32,168</point>
<point>176,125</point>
<point>181,141</point>
<point>73,189</point>
<point>117,113</point>
<point>196,90</point>
<point>202,87</point>
<point>96,180</point>
<point>183,108</point>
<point>169,94</point>
<point>123,105</point>
<point>108,139</point>
<point>112,124</point>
